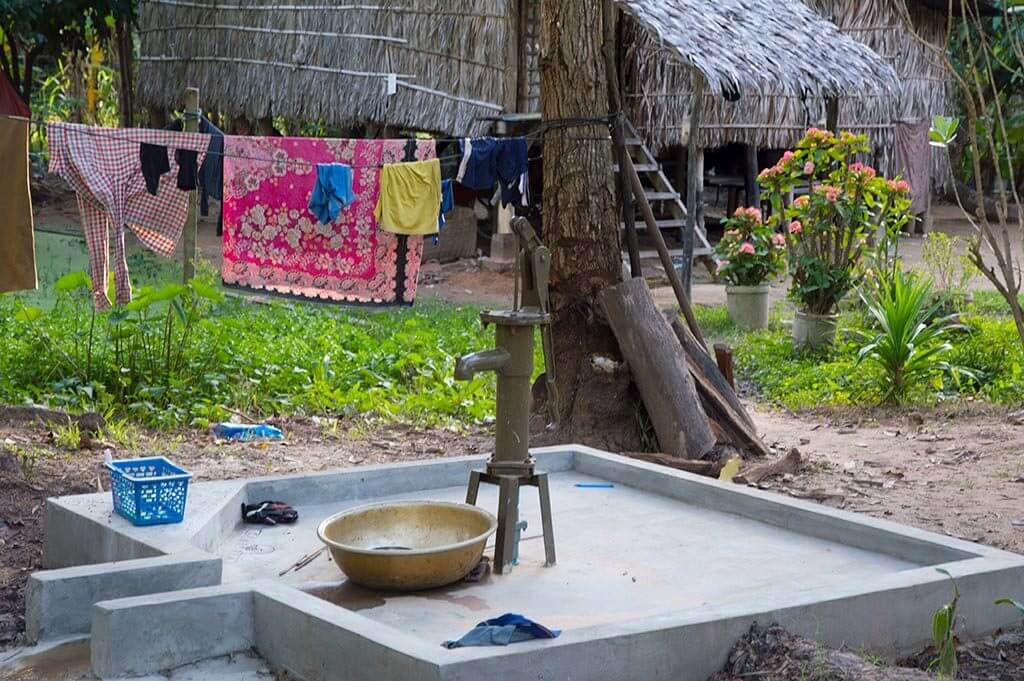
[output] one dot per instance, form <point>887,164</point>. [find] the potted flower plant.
<point>750,255</point>
<point>828,228</point>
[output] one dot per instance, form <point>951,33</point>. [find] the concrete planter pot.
<point>748,305</point>
<point>814,330</point>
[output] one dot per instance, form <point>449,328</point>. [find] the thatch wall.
<point>659,92</point>
<point>309,60</point>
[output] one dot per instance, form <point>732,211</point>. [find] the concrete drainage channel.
<point>657,577</point>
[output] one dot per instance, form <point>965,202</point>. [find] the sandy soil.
<point>958,470</point>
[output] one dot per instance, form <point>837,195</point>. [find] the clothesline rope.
<point>298,163</point>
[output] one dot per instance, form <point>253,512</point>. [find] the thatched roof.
<point>659,95</point>
<point>314,61</point>
<point>749,46</point>
<point>986,7</point>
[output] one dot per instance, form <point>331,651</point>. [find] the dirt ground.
<point>956,470</point>
<point>769,653</point>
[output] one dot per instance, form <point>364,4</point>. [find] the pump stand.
<point>508,513</point>
<point>511,465</point>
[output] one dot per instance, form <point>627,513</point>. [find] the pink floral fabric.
<point>273,242</point>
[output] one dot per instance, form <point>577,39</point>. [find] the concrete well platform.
<point>656,579</point>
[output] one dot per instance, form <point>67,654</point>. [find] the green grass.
<point>282,358</point>
<point>58,254</point>
<point>767,363</point>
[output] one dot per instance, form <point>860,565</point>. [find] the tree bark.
<point>580,219</point>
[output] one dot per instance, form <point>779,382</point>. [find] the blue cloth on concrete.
<point>486,161</point>
<point>501,631</point>
<point>332,192</point>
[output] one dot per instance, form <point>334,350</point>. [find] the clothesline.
<point>530,136</point>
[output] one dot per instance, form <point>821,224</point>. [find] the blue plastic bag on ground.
<point>247,431</point>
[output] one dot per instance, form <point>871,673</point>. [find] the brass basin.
<point>407,545</point>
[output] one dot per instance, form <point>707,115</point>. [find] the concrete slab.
<point>623,555</point>
<point>656,579</point>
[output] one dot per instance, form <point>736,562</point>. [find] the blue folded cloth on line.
<point>447,201</point>
<point>332,192</point>
<point>501,631</point>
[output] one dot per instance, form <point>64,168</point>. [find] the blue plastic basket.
<point>149,491</point>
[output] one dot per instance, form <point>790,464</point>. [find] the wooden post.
<point>753,190</point>
<point>617,105</point>
<point>694,179</point>
<point>626,193</point>
<point>723,357</point>
<point>191,222</point>
<point>832,115</point>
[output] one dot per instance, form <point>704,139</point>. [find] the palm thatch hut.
<point>447,67</point>
<point>659,93</point>
<point>423,64</point>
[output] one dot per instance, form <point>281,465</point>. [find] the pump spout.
<point>486,360</point>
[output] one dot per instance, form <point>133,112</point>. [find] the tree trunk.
<point>580,221</point>
<point>126,62</point>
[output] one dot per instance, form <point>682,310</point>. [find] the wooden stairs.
<point>666,202</point>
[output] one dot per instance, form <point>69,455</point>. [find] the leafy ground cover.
<point>767,363</point>
<point>190,356</point>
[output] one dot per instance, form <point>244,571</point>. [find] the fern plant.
<point>912,341</point>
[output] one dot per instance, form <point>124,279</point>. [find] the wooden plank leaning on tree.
<point>720,401</point>
<point>659,368</point>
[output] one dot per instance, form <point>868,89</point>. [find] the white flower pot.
<point>814,331</point>
<point>748,305</point>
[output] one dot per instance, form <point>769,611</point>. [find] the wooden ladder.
<point>661,194</point>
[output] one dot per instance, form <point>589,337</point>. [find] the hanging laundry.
<point>447,201</point>
<point>209,177</point>
<point>273,243</point>
<point>103,167</point>
<point>11,102</point>
<point>914,153</point>
<point>332,191</point>
<point>410,198</point>
<point>488,161</point>
<point>17,241</point>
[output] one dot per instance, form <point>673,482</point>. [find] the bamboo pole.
<point>620,152</point>
<point>694,179</point>
<point>191,124</point>
<point>832,115</point>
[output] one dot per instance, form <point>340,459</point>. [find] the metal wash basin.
<point>407,545</point>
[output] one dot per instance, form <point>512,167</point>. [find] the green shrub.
<point>952,271</point>
<point>766,364</point>
<point>912,344</point>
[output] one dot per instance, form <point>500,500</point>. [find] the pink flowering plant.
<point>827,230</point>
<point>750,253</point>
